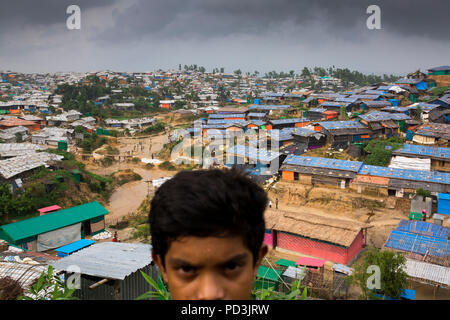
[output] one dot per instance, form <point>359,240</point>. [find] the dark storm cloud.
<point>216,18</point>
<point>19,14</point>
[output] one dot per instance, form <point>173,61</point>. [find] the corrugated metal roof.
<point>317,162</point>
<point>17,165</point>
<point>342,269</point>
<point>294,273</point>
<point>427,271</point>
<point>52,221</point>
<point>113,260</point>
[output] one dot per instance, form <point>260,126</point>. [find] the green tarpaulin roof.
<point>52,221</point>
<point>269,274</point>
<point>286,263</point>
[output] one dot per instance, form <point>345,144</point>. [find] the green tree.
<point>393,278</point>
<point>49,287</point>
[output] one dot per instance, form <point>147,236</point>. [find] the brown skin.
<point>209,268</point>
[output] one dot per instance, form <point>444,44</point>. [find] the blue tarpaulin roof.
<point>414,175</point>
<point>425,151</point>
<point>227,121</point>
<point>330,125</point>
<point>395,109</point>
<point>382,103</point>
<point>303,132</point>
<point>75,246</point>
<point>383,116</point>
<point>323,163</point>
<point>420,244</point>
<point>269,107</point>
<point>222,116</point>
<point>423,106</point>
<point>253,153</point>
<point>256,114</point>
<point>286,121</point>
<point>423,228</point>
<point>331,104</point>
<point>349,99</point>
<point>321,110</point>
<point>282,135</point>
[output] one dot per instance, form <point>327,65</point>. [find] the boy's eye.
<point>187,269</point>
<point>232,266</point>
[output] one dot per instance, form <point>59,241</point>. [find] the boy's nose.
<point>210,288</point>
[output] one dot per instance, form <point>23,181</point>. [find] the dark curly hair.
<point>208,203</point>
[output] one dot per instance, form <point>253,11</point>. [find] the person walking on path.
<point>276,203</point>
<point>270,203</point>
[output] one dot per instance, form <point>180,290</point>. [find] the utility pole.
<point>148,186</point>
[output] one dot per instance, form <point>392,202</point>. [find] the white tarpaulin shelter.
<point>400,162</point>
<point>396,89</point>
<point>159,182</point>
<point>154,161</point>
<point>59,238</point>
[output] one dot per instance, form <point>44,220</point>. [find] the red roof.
<point>15,122</point>
<point>48,209</point>
<point>310,262</point>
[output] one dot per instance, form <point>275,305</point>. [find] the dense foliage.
<point>393,278</point>
<point>379,152</point>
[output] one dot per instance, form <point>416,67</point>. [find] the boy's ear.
<point>157,259</point>
<point>262,252</point>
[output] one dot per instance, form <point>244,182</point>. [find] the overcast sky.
<point>263,35</point>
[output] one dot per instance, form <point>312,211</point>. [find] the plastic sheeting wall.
<point>59,238</point>
<point>400,162</point>
<point>443,206</point>
<point>312,248</point>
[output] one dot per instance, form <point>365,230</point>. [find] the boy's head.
<point>207,231</point>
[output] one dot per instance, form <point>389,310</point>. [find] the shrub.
<point>166,165</point>
<point>423,193</point>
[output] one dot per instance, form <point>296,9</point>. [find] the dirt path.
<point>127,198</point>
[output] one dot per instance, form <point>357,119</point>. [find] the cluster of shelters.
<point>427,248</point>
<point>358,176</point>
<point>130,123</point>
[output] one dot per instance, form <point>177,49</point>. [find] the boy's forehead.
<point>196,249</point>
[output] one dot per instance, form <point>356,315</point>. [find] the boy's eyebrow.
<point>181,262</point>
